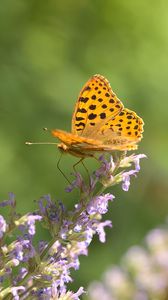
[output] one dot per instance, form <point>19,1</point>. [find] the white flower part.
<point>112,164</point>
<point>77,228</point>
<point>14,262</point>
<point>118,283</point>
<point>15,290</point>
<point>3,226</point>
<point>152,282</point>
<point>78,293</point>
<point>100,230</point>
<point>136,260</point>
<point>157,242</point>
<point>31,223</point>
<point>126,161</point>
<point>97,291</point>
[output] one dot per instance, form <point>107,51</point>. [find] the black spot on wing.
<point>79,118</point>
<point>102,116</point>
<point>92,107</point>
<point>82,110</point>
<point>84,100</point>
<point>92,116</point>
<point>80,124</point>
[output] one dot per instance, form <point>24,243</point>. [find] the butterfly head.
<point>63,148</point>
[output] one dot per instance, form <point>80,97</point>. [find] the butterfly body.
<point>73,144</point>
<point>100,123</point>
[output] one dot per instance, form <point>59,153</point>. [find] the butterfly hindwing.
<point>126,124</point>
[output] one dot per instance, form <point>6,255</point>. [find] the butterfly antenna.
<point>41,143</point>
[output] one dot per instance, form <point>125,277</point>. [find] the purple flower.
<point>22,250</point>
<point>27,222</point>
<point>106,168</point>
<point>22,273</point>
<point>100,230</point>
<point>41,246</point>
<point>77,183</point>
<point>65,228</point>
<point>78,228</point>
<point>78,293</point>
<point>3,226</point>
<point>136,161</point>
<point>99,204</point>
<point>88,235</point>
<point>11,202</point>
<point>56,293</point>
<point>126,179</point>
<point>31,223</point>
<point>128,160</point>
<point>17,252</point>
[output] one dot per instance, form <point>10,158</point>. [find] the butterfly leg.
<point>78,162</point>
<point>58,163</point>
<point>87,171</point>
<point>81,161</point>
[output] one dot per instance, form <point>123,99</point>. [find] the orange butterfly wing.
<point>95,105</point>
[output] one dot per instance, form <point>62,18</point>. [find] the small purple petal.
<point>99,204</point>
<point>3,226</point>
<point>31,223</point>
<point>10,202</point>
<point>136,161</point>
<point>77,183</point>
<point>78,228</point>
<point>100,230</point>
<point>126,179</point>
<point>78,293</point>
<point>42,245</point>
<point>20,276</point>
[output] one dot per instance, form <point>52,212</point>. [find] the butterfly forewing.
<point>96,104</point>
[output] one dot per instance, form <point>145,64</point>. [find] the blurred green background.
<point>48,50</point>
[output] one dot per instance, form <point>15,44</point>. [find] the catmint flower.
<point>41,269</point>
<point>99,204</point>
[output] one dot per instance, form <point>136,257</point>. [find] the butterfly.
<point>100,123</point>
